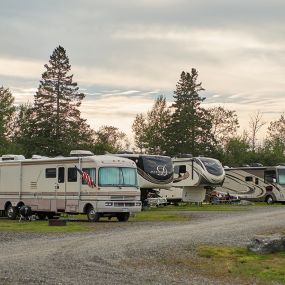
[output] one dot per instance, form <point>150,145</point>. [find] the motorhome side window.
<point>50,172</point>
<point>92,174</point>
<point>61,175</point>
<point>248,178</point>
<point>72,174</point>
<point>269,175</point>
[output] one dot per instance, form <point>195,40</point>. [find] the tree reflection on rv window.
<point>117,176</point>
<point>281,176</point>
<point>213,166</point>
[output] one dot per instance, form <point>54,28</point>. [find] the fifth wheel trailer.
<point>54,185</point>
<point>192,177</point>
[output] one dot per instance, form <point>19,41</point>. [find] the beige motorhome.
<point>54,185</point>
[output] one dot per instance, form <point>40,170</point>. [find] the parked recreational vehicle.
<point>256,183</point>
<point>155,171</point>
<point>53,185</point>
<point>192,176</point>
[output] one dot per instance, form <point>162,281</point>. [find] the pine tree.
<point>58,125</point>
<point>189,130</point>
<point>7,111</point>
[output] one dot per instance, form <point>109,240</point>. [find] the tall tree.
<point>7,111</point>
<point>224,124</point>
<point>255,124</point>
<point>276,129</point>
<point>58,125</point>
<point>189,130</point>
<point>150,129</point>
<point>110,139</point>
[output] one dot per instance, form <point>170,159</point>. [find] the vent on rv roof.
<point>8,157</point>
<point>79,153</point>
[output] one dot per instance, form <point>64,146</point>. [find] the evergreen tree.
<point>189,130</point>
<point>7,111</point>
<point>57,121</point>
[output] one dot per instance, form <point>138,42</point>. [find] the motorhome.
<point>192,177</point>
<point>155,171</point>
<point>54,185</point>
<point>256,183</point>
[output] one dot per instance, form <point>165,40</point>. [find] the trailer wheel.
<point>92,215</point>
<point>123,217</point>
<point>269,200</point>
<point>11,212</point>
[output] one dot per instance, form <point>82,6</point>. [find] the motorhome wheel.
<point>269,200</point>
<point>123,217</point>
<point>92,215</point>
<point>11,212</point>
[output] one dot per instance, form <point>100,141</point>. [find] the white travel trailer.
<point>155,171</point>
<point>192,177</point>
<point>256,183</point>
<point>54,185</point>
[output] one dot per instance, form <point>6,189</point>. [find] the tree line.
<point>187,127</point>
<point>53,125</point>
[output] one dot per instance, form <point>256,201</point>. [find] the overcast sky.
<point>125,53</point>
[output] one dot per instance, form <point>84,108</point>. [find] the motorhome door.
<point>60,188</point>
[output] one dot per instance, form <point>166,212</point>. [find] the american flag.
<point>86,177</point>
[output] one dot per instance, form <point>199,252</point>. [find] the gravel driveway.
<point>128,253</point>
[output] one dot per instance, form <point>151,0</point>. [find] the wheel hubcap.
<point>92,214</point>
<point>10,212</point>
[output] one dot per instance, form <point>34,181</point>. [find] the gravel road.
<point>129,253</point>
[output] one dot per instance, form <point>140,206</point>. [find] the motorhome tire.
<point>92,215</point>
<point>269,200</point>
<point>11,212</point>
<point>123,217</point>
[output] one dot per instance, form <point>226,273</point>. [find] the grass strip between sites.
<point>227,262</point>
<point>163,216</point>
<point>40,226</point>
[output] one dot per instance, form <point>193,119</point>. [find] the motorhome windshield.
<point>118,176</point>
<point>212,166</point>
<point>281,176</point>
<point>159,167</point>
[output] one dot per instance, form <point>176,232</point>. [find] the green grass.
<point>239,262</point>
<point>40,226</point>
<point>203,207</point>
<point>161,215</point>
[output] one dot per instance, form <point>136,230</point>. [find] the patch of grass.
<point>152,215</point>
<point>239,262</point>
<point>203,207</point>
<point>41,226</point>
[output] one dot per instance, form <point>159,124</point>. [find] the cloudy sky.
<point>126,53</point>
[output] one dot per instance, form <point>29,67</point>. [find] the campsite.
<point>172,244</point>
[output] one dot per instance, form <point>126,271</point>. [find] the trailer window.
<point>117,176</point>
<point>248,178</point>
<point>50,172</point>
<point>92,174</point>
<point>61,175</point>
<point>281,176</point>
<point>72,174</point>
<point>269,175</point>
